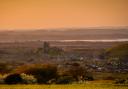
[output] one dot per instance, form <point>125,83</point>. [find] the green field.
<point>70,86</point>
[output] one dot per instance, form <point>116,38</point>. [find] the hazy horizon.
<point>68,28</point>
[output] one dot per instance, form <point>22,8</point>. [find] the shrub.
<point>52,81</point>
<point>77,72</point>
<point>13,79</point>
<point>2,77</point>
<point>126,81</point>
<point>89,78</point>
<point>28,79</point>
<point>119,81</point>
<point>43,73</point>
<point>65,80</point>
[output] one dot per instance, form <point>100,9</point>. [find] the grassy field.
<point>71,86</point>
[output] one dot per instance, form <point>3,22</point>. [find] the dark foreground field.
<point>72,86</point>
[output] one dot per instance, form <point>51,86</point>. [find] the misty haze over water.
<point>66,35</point>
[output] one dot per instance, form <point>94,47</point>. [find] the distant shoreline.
<point>105,40</point>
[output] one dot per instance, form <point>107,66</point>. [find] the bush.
<point>65,80</point>
<point>77,72</point>
<point>13,79</point>
<point>43,73</point>
<point>17,78</point>
<point>28,79</point>
<point>2,77</point>
<point>119,81</point>
<point>89,78</point>
<point>126,81</point>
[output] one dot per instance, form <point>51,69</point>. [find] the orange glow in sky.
<point>36,14</point>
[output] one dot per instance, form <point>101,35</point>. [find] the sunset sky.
<point>37,14</point>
